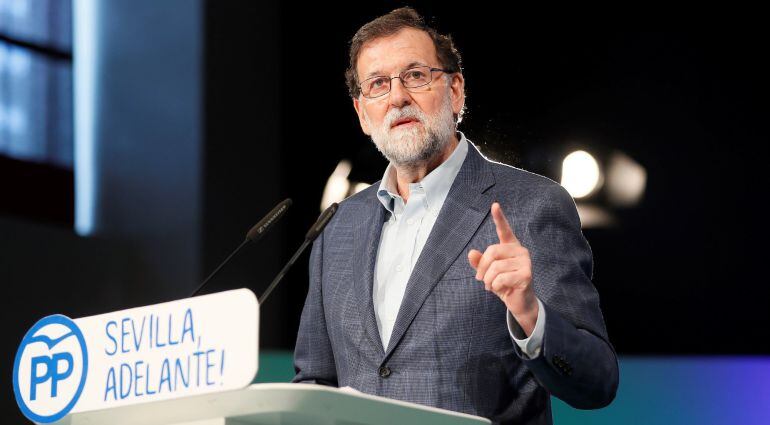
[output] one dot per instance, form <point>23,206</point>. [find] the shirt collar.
<point>436,184</point>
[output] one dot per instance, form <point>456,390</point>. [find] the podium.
<point>275,404</point>
<point>185,362</point>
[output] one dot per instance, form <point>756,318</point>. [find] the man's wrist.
<point>526,317</point>
<point>530,345</point>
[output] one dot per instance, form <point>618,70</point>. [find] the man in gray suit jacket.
<point>455,282</point>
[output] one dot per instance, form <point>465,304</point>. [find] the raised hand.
<point>506,270</point>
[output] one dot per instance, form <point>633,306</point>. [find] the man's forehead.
<point>405,48</point>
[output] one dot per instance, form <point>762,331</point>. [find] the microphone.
<point>310,236</point>
<point>254,234</point>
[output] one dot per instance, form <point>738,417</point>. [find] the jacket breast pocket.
<point>460,269</point>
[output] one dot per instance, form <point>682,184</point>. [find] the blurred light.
<point>580,174</point>
<point>16,120</point>
<point>594,216</point>
<point>13,119</point>
<point>360,186</point>
<point>626,180</point>
<point>18,61</point>
<point>86,106</point>
<point>337,186</point>
<point>15,8</point>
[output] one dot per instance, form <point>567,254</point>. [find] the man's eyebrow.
<point>373,74</point>
<point>378,73</point>
<point>415,63</point>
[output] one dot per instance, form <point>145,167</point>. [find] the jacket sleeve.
<point>313,355</point>
<point>577,363</point>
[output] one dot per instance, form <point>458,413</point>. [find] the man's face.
<point>408,126</point>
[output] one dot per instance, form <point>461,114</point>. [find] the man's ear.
<point>458,92</point>
<point>361,119</point>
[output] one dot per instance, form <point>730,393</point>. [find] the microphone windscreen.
<point>322,221</point>
<point>271,218</point>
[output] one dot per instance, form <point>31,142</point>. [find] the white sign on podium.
<point>160,352</point>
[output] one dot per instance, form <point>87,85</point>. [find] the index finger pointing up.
<point>504,231</point>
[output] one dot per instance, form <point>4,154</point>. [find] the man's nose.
<point>399,95</point>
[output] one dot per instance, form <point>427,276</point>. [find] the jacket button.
<point>384,371</point>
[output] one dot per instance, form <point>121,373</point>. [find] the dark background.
<point>680,273</point>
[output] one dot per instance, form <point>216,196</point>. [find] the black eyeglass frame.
<point>400,76</point>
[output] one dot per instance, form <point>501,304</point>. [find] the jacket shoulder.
<point>351,209</point>
<point>362,199</point>
<point>525,185</point>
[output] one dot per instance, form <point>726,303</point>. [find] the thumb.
<point>474,256</point>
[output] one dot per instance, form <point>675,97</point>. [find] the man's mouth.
<point>404,121</point>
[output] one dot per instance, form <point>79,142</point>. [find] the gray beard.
<point>418,144</point>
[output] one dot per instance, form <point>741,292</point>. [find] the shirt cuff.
<point>529,346</point>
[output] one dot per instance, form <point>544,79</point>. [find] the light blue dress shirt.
<point>404,235</point>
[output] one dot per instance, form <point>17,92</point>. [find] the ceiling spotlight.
<point>338,187</point>
<point>360,186</point>
<point>626,180</point>
<point>580,174</point>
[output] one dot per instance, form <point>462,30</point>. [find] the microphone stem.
<point>283,271</point>
<point>222,264</point>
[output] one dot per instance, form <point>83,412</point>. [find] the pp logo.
<point>49,372</point>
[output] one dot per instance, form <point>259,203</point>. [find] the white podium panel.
<point>274,404</point>
<point>147,354</point>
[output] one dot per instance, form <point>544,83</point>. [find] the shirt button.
<point>399,268</point>
<point>384,371</point>
<point>410,221</point>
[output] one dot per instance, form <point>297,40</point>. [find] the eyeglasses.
<point>411,78</point>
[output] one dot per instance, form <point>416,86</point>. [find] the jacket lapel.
<point>465,207</point>
<point>367,240</point>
